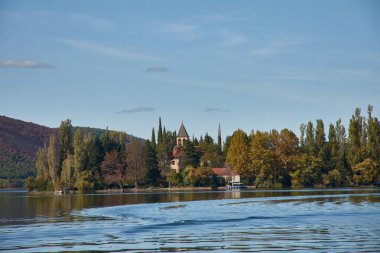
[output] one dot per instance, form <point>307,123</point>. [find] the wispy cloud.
<point>216,109</point>
<point>157,69</point>
<point>106,50</point>
<point>94,23</point>
<point>218,18</point>
<point>78,20</point>
<point>277,46</point>
<point>329,74</point>
<point>31,64</point>
<point>137,110</point>
<point>233,39</point>
<point>179,30</point>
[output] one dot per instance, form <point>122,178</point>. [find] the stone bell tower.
<point>178,152</point>
<point>182,135</point>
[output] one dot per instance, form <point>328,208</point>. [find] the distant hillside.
<point>19,142</point>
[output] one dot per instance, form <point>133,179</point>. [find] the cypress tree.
<point>151,164</point>
<point>159,135</point>
<point>219,139</point>
<point>153,139</point>
<point>190,156</point>
<point>165,138</point>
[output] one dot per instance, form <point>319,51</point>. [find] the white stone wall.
<point>175,165</point>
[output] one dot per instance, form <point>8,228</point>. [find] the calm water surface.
<point>339,220</point>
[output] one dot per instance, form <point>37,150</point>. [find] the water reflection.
<point>23,207</point>
<point>343,220</point>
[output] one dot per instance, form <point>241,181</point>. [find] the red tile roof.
<point>223,172</point>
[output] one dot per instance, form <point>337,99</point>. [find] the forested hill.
<point>19,142</point>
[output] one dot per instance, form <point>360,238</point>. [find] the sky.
<point>247,64</point>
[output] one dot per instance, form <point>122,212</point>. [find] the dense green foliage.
<point>272,159</point>
<point>85,161</point>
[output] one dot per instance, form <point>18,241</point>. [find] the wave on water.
<point>232,210</point>
<point>334,223</point>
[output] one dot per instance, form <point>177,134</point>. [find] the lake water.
<point>339,220</point>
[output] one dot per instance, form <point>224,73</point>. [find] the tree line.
<point>262,158</point>
<point>281,159</point>
<point>73,160</point>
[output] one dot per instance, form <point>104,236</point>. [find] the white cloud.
<point>276,46</point>
<point>179,30</point>
<point>106,50</point>
<point>137,109</point>
<point>32,64</point>
<point>157,69</point>
<point>233,39</point>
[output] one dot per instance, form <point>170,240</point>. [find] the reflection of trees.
<point>21,206</point>
<point>51,206</point>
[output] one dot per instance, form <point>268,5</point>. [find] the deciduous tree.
<point>238,153</point>
<point>134,153</point>
<point>113,168</point>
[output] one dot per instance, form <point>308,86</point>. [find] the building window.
<point>179,142</point>
<point>173,162</point>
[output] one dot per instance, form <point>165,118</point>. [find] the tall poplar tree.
<point>79,151</point>
<point>67,174</point>
<point>320,140</point>
<point>332,144</point>
<point>342,163</point>
<point>373,144</point>
<point>302,137</point>
<point>310,139</point>
<point>65,137</point>
<point>52,158</point>
<point>42,167</point>
<point>355,132</point>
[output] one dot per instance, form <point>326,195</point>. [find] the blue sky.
<point>262,65</point>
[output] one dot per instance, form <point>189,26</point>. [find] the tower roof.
<point>182,132</point>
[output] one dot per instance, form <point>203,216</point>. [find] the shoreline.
<point>183,189</point>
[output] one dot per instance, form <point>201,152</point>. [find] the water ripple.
<point>321,222</point>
